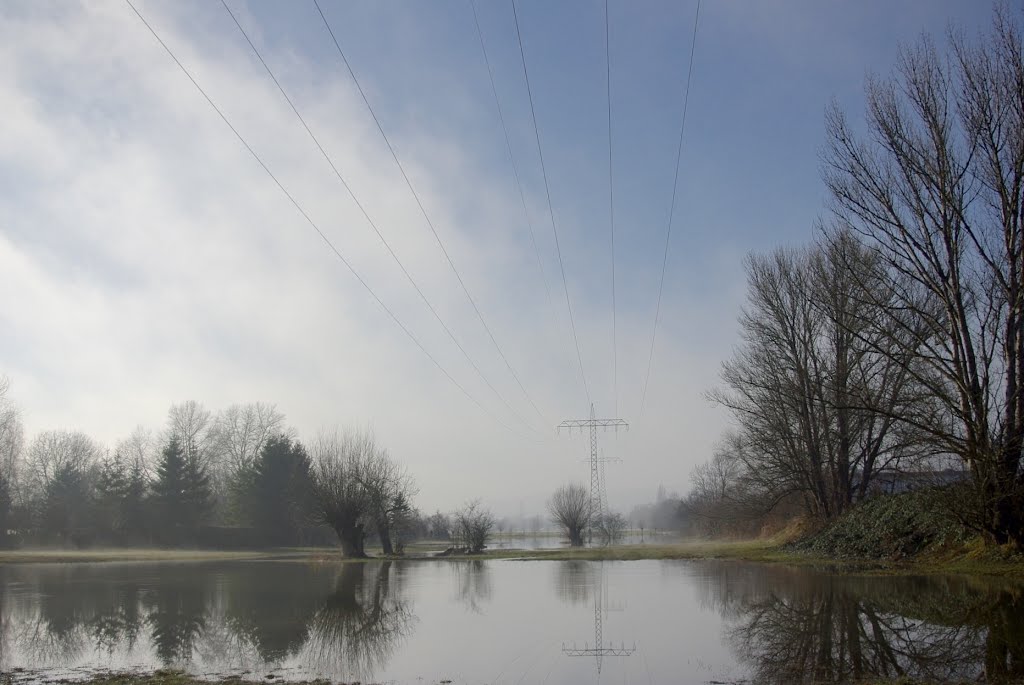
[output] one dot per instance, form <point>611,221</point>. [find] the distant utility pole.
<point>598,497</point>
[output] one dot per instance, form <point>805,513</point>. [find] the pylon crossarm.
<point>594,423</point>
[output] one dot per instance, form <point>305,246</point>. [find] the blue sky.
<point>146,259</point>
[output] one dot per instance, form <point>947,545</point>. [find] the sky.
<point>146,257</point>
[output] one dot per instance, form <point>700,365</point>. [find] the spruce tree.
<point>66,502</point>
<point>278,490</point>
<point>181,490</point>
<point>111,486</point>
<point>135,517</point>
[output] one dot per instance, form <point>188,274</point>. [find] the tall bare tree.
<point>357,487</point>
<point>809,386</point>
<point>192,425</point>
<point>569,507</point>
<point>239,434</point>
<point>243,429</point>
<point>936,185</point>
<point>11,432</point>
<point>11,443</point>
<point>57,451</point>
<point>390,490</point>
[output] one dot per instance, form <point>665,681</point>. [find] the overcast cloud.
<point>145,258</point>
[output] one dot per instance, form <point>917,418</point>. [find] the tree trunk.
<point>352,538</point>
<point>384,532</point>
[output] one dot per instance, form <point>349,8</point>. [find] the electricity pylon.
<point>598,496</point>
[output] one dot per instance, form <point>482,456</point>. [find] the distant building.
<point>894,482</point>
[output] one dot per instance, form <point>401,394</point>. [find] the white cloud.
<point>146,259</point>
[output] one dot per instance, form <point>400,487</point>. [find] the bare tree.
<point>570,508</point>
<point>11,442</point>
<point>357,486</point>
<point>612,527</point>
<point>936,186</point>
<point>192,425</point>
<point>237,435</point>
<point>11,433</point>
<point>339,461</point>
<point>243,429</point>
<point>390,490</point>
<point>54,452</point>
<point>811,385</point>
<point>59,476</point>
<point>473,526</point>
<point>138,450</point>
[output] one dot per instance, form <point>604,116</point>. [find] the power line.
<point>310,221</point>
<point>672,209</point>
<point>508,146</point>
<point>551,211</point>
<point>611,204</point>
<point>371,222</point>
<point>423,211</point>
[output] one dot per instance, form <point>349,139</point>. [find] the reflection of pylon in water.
<point>599,650</point>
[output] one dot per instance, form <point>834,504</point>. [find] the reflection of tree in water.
<point>222,647</point>
<point>117,620</point>
<point>271,607</point>
<point>358,627</point>
<point>575,581</point>
<point>204,616</point>
<point>1004,648</point>
<point>811,627</point>
<point>177,616</point>
<point>837,637</point>
<point>61,626</point>
<point>473,580</point>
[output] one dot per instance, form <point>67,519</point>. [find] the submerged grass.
<point>170,677</point>
<point>161,677</point>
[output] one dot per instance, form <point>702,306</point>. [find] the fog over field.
<point>146,259</point>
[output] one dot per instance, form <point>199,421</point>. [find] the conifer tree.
<point>181,490</point>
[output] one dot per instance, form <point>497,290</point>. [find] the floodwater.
<point>473,621</point>
<point>549,541</point>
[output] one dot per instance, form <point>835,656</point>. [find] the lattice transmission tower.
<point>598,494</point>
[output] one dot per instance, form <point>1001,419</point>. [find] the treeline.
<point>235,478</point>
<point>895,342</point>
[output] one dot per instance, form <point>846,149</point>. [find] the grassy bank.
<point>970,558</point>
<point>913,530</point>
<point>65,556</point>
<point>892,535</point>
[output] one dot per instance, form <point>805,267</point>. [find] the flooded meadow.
<point>505,621</point>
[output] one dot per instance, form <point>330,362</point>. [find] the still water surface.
<point>508,622</point>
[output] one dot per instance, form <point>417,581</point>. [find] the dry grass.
<point>973,558</point>
<point>64,556</point>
